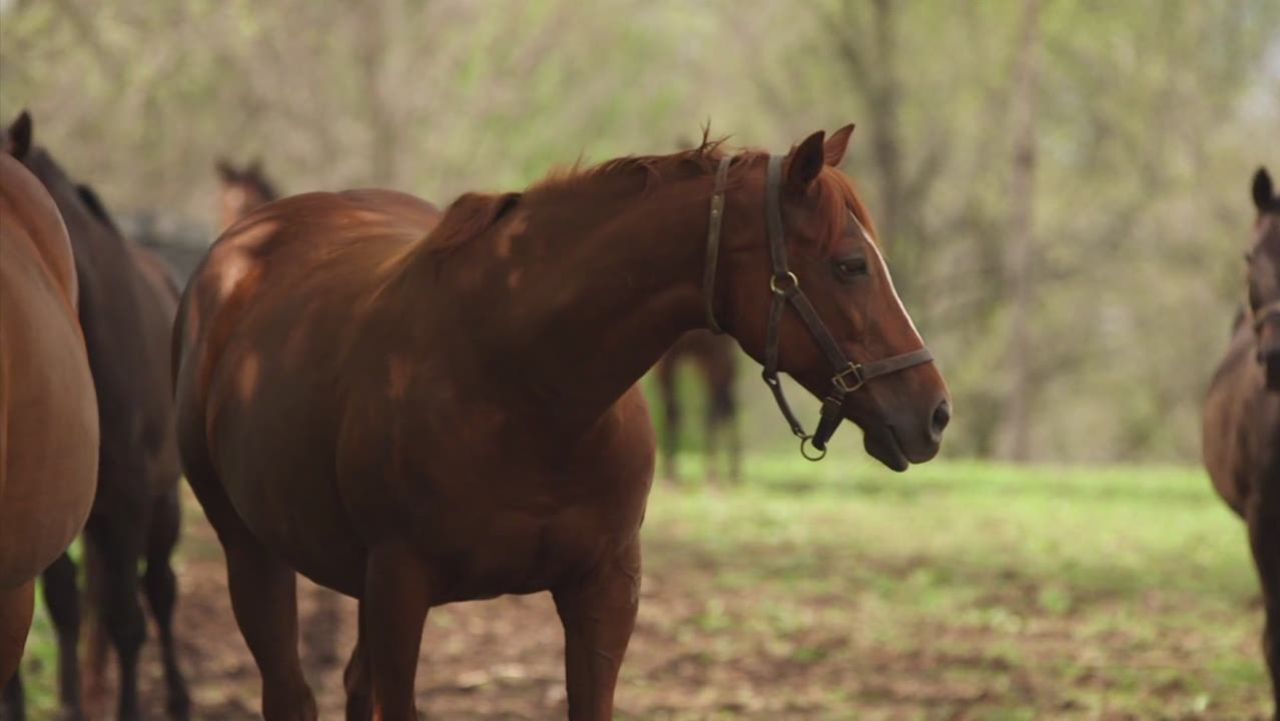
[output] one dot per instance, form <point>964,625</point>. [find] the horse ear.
<point>1263,193</point>
<point>18,138</point>
<point>805,162</point>
<point>226,171</point>
<point>836,145</point>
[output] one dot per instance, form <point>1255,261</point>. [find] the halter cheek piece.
<point>785,288</point>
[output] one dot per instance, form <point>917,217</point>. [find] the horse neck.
<point>583,316</point>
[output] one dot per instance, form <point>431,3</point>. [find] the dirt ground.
<point>775,631</point>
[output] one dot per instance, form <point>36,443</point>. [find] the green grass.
<point>1117,590</point>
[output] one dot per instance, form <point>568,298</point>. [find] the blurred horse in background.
<point>417,410</point>
<point>240,190</point>
<point>48,410</point>
<point>1242,416</point>
<point>715,358</point>
<point>127,301</point>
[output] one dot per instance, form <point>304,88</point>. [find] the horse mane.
<point>251,175</point>
<point>90,198</point>
<point>704,157</point>
<point>256,179</point>
<point>473,214</point>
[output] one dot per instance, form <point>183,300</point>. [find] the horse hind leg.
<point>398,595</point>
<point>160,586</point>
<point>16,606</point>
<point>357,682</point>
<point>264,599</point>
<point>722,422</point>
<point>62,598</point>
<point>671,417</point>
<point>119,544</point>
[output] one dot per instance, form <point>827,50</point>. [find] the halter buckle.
<point>841,379</point>
<point>792,283</point>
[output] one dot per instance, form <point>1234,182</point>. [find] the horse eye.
<point>849,268</point>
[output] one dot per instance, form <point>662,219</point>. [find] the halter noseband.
<point>785,288</point>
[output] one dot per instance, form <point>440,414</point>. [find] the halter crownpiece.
<point>785,288</point>
<point>713,244</point>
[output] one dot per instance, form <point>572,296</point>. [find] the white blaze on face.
<point>884,269</point>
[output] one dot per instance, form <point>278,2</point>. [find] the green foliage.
<point>1151,116</point>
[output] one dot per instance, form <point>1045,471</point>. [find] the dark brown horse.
<point>48,411</point>
<point>416,418</point>
<point>1242,417</point>
<point>127,301</point>
<point>240,190</point>
<point>715,357</point>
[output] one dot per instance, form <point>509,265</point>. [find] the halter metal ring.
<point>840,380</point>
<point>793,283</point>
<point>806,442</point>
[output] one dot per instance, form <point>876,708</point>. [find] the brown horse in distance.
<point>48,411</point>
<point>715,357</point>
<point>417,418</point>
<point>127,301</point>
<point>240,190</point>
<point>1242,417</point>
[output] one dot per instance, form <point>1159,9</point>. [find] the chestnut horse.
<point>48,411</point>
<point>1242,417</point>
<point>715,357</point>
<point>127,301</point>
<point>240,190</point>
<point>417,418</point>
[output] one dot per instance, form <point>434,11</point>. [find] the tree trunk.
<point>1020,255</point>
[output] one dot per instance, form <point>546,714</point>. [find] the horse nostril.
<point>941,417</point>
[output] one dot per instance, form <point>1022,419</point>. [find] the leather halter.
<point>785,288</point>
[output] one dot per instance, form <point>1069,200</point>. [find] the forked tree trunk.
<point>1021,251</point>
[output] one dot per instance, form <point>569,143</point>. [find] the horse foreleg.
<point>395,602</point>
<point>599,614</point>
<point>162,592</point>
<point>62,598</point>
<point>13,703</point>
<point>16,606</point>
<point>1264,537</point>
